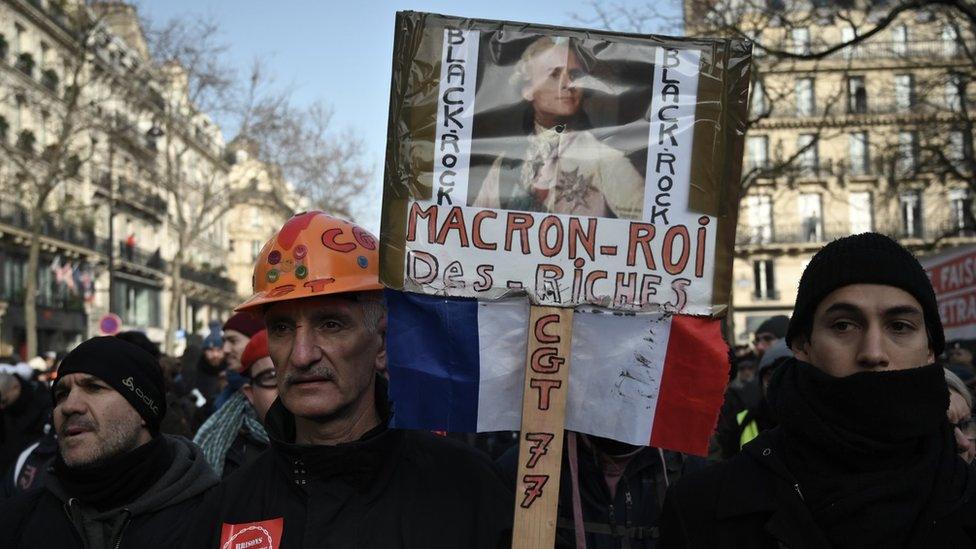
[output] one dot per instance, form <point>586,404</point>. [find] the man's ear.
<point>801,348</point>
<point>527,92</point>
<point>380,364</point>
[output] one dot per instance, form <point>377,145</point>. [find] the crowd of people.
<point>846,425</point>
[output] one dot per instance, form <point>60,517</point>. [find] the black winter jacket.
<point>391,489</point>
<point>157,519</point>
<point>752,501</point>
<point>23,421</point>
<point>629,518</point>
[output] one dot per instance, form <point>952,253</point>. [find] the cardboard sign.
<point>570,167</point>
<point>953,276</point>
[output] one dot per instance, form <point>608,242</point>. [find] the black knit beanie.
<point>125,367</point>
<point>867,258</point>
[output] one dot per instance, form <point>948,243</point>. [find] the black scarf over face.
<point>873,452</point>
<point>118,481</point>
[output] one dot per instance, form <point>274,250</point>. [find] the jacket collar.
<point>762,484</point>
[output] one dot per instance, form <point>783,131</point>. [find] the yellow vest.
<point>750,431</point>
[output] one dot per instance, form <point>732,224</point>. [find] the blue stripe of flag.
<point>433,361</point>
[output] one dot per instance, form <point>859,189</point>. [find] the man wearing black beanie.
<point>116,481</point>
<point>863,455</point>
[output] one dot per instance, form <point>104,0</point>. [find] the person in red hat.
<point>234,436</point>
<point>336,474</point>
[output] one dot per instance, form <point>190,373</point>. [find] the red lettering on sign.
<point>540,447</point>
<point>540,329</point>
<point>641,235</point>
<point>550,222</point>
<point>455,222</point>
<point>545,386</point>
<point>521,223</point>
<point>430,214</point>
<point>541,365</point>
<point>476,230</point>
<point>667,255</point>
<point>587,239</point>
<point>533,490</point>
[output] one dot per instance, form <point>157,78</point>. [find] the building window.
<point>961,207</point>
<point>911,214</point>
<point>861,216</point>
<point>255,249</point>
<point>13,279</point>
<point>950,41</point>
<point>757,147</point>
<point>847,35</point>
<point>757,103</point>
<point>808,156</point>
<point>857,95</point>
<point>906,153</point>
<point>953,97</point>
<point>19,39</point>
<point>805,101</point>
<point>764,279</point>
<point>138,304</point>
<point>811,217</point>
<point>860,157</point>
<point>759,217</point>
<point>955,152</point>
<point>801,40</point>
<point>899,40</point>
<point>904,92</point>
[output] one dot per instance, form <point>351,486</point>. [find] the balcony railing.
<point>881,49</point>
<point>820,233</point>
<point>15,215</point>
<point>154,260</point>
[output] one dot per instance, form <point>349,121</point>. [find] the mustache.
<point>317,371</point>
<point>81,422</point>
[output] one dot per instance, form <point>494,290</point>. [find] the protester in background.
<point>234,436</point>
<point>863,455</point>
<point>180,407</point>
<point>201,380</point>
<point>24,408</point>
<point>336,475</point>
<point>238,331</point>
<point>610,493</point>
<point>960,415</point>
<point>760,418</point>
<point>32,466</point>
<point>740,397</point>
<point>116,481</point>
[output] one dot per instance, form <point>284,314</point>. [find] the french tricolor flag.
<point>458,364</point>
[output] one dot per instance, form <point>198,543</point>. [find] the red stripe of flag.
<point>696,370</point>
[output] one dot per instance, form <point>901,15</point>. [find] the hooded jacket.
<point>158,518</point>
<point>390,489</point>
<point>23,421</point>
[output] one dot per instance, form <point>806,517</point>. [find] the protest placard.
<point>953,275</point>
<point>535,171</point>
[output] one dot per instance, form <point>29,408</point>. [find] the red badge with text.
<point>264,534</point>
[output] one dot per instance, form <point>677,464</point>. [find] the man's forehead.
<point>560,55</point>
<point>312,306</point>
<point>870,298</point>
<point>75,378</point>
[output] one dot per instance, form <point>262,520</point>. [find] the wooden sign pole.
<point>543,420</point>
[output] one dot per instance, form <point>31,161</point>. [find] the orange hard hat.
<point>314,254</point>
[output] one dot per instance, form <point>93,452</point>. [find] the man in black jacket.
<point>863,455</point>
<point>336,475</point>
<point>115,482</point>
<point>24,408</point>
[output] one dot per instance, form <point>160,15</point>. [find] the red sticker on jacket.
<point>264,534</point>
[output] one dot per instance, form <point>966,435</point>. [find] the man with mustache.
<point>863,454</point>
<point>116,481</point>
<point>336,475</point>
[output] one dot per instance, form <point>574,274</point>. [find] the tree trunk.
<point>30,284</point>
<point>176,296</point>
